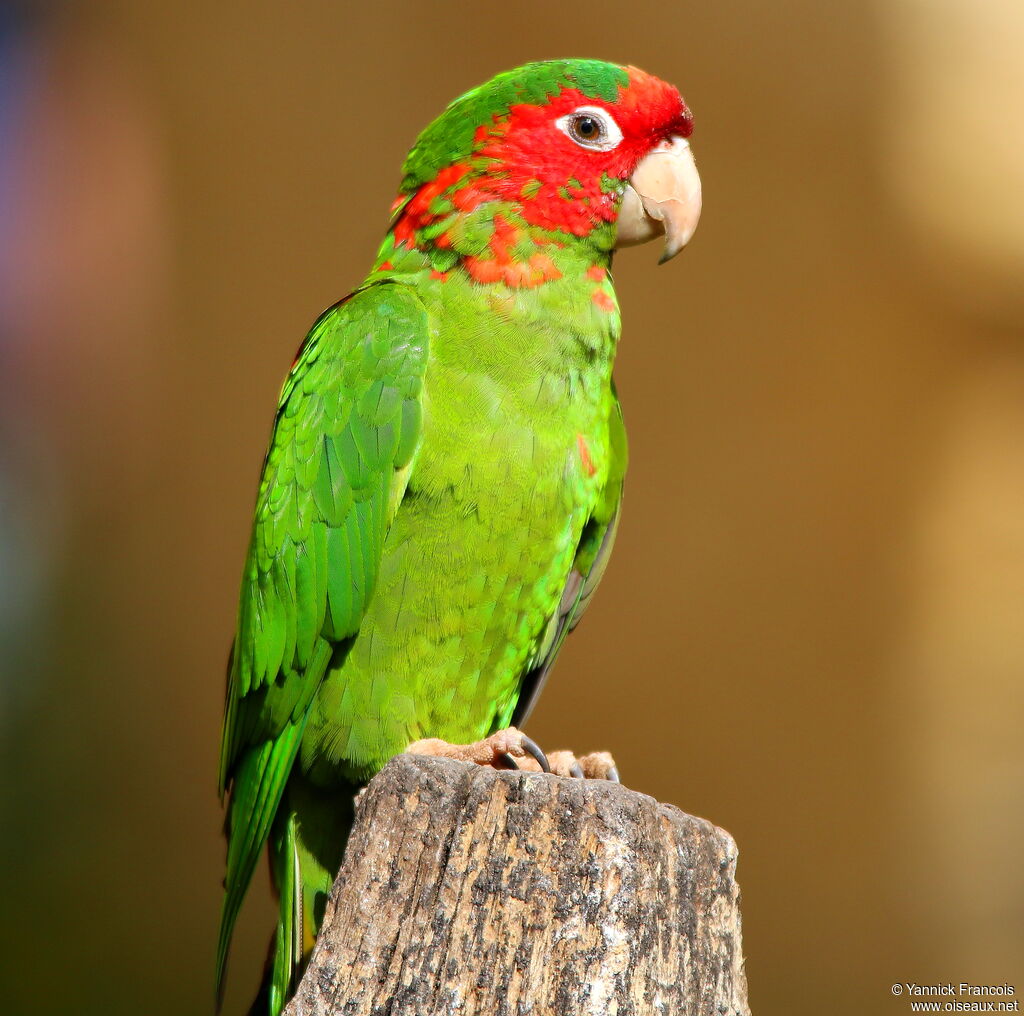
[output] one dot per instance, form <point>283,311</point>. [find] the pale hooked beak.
<point>662,196</point>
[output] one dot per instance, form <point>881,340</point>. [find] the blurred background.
<point>812,630</point>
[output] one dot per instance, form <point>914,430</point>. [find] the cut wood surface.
<point>466,890</point>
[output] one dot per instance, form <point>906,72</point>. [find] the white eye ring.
<point>607,136</point>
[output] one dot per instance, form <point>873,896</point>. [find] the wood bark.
<point>466,890</point>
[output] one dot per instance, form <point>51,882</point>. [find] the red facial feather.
<point>527,146</point>
<point>526,160</point>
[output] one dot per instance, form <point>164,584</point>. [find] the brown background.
<point>811,631</point>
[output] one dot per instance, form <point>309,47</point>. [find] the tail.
<point>255,795</point>
<point>307,846</point>
<point>289,946</point>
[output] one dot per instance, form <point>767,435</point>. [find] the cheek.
<point>545,153</point>
<point>548,155</point>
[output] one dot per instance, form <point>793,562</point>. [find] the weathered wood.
<point>466,890</point>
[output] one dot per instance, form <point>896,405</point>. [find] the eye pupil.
<point>587,128</point>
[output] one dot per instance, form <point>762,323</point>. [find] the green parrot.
<point>444,475</point>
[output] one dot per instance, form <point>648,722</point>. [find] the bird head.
<point>564,151</point>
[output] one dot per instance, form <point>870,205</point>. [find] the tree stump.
<point>466,890</point>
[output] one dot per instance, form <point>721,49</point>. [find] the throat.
<point>546,294</point>
<point>491,241</point>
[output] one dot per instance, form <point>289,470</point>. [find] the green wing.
<point>347,425</point>
<point>592,554</point>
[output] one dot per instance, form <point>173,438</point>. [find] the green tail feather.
<point>256,792</point>
<point>304,870</point>
<point>288,939</point>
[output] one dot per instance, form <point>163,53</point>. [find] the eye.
<point>585,128</point>
<point>591,127</point>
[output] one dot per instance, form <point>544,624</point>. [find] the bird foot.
<point>512,749</point>
<point>503,750</point>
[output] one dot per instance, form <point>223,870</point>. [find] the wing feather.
<point>346,429</point>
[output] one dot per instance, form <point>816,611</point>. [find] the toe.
<point>513,745</point>
<point>563,763</point>
<point>599,765</point>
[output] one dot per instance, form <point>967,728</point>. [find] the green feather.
<point>257,788</point>
<point>288,940</point>
<point>314,556</point>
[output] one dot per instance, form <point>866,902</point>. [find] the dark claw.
<point>507,761</point>
<point>576,770</point>
<point>613,775</point>
<point>531,748</point>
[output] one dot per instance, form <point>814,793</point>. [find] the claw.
<point>531,748</point>
<point>577,770</point>
<point>613,775</point>
<point>507,760</point>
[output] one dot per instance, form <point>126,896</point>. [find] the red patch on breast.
<point>588,463</point>
<point>515,274</point>
<point>602,301</point>
<point>483,270</point>
<point>545,266</point>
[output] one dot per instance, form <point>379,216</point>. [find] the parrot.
<point>444,475</point>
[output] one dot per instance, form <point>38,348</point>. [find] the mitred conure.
<point>445,469</point>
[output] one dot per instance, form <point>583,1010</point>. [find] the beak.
<point>662,196</point>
